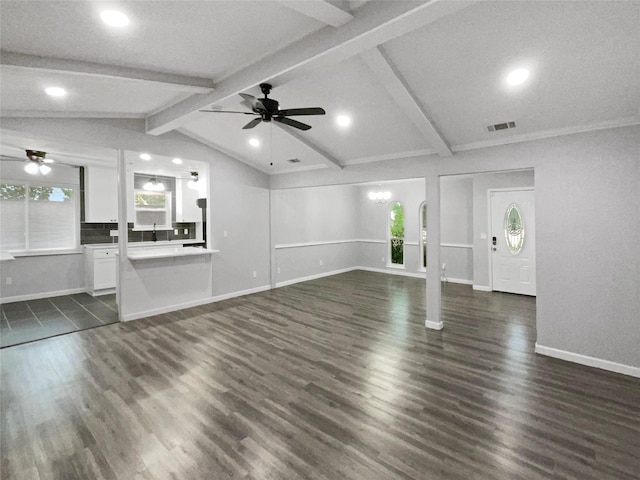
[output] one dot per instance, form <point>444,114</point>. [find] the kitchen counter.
<point>167,252</point>
<point>4,255</point>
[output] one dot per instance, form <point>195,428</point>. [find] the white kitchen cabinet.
<point>187,209</point>
<point>100,269</point>
<point>101,195</point>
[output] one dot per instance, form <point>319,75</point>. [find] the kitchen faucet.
<point>154,237</point>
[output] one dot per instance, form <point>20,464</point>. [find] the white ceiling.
<point>449,68</point>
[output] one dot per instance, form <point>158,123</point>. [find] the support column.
<point>121,263</point>
<point>434,287</point>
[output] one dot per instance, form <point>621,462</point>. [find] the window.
<point>38,216</point>
<point>152,209</point>
<point>514,229</point>
<point>396,233</point>
<point>423,235</point>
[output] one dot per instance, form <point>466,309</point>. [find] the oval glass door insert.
<point>514,229</point>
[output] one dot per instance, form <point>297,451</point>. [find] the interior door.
<point>513,248</point>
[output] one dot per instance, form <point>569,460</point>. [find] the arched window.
<point>423,235</point>
<point>396,233</point>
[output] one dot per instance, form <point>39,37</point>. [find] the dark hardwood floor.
<point>331,379</point>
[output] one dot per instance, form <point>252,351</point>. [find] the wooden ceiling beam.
<point>373,24</point>
<point>320,10</point>
<point>404,98</point>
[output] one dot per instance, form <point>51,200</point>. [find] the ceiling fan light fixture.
<point>31,167</point>
<point>254,142</point>
<point>379,196</point>
<point>153,185</point>
<point>193,182</point>
<point>145,156</point>
<point>36,162</point>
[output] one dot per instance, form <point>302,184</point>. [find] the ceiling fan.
<point>35,162</point>
<point>266,109</point>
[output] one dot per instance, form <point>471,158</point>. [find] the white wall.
<point>42,275</point>
<point>481,184</point>
<point>374,224</point>
<point>340,227</point>
<point>456,225</point>
<point>313,225</point>
<point>587,210</point>
<point>239,203</point>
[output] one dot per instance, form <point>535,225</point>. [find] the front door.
<point>513,248</point>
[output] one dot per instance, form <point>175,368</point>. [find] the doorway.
<point>512,235</point>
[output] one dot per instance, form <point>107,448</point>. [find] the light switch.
<point>224,234</point>
<point>186,231</point>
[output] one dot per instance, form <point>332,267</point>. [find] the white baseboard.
<point>240,293</point>
<point>36,296</point>
<point>459,280</point>
<point>393,271</point>
<point>433,325</point>
<point>481,288</point>
<point>589,361</point>
<point>314,277</point>
<point>195,303</point>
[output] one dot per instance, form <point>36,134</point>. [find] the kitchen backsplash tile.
<point>101,233</point>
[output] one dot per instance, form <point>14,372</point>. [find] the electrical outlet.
<point>255,274</point>
<point>382,259</point>
<point>224,234</point>
<point>175,231</point>
<point>9,281</point>
<point>321,263</point>
<point>186,231</point>
<point>278,269</point>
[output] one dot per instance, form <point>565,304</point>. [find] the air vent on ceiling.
<point>501,126</point>
<point>293,160</point>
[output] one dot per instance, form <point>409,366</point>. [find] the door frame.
<point>490,223</point>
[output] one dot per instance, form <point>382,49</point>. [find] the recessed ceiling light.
<point>343,120</point>
<point>518,76</point>
<point>254,142</point>
<point>55,91</point>
<point>145,156</point>
<point>114,18</point>
<point>177,161</point>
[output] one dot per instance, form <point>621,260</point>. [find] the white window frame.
<point>390,263</point>
<point>168,211</point>
<point>25,252</point>
<point>421,242</point>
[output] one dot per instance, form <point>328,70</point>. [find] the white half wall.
<point>41,276</point>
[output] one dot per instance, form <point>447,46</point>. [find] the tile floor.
<point>23,322</point>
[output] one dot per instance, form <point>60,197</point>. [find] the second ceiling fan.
<point>266,109</point>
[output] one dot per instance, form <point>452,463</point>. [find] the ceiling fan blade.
<point>254,103</point>
<point>227,111</point>
<point>292,123</point>
<point>250,99</point>
<point>252,123</point>
<point>290,112</point>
